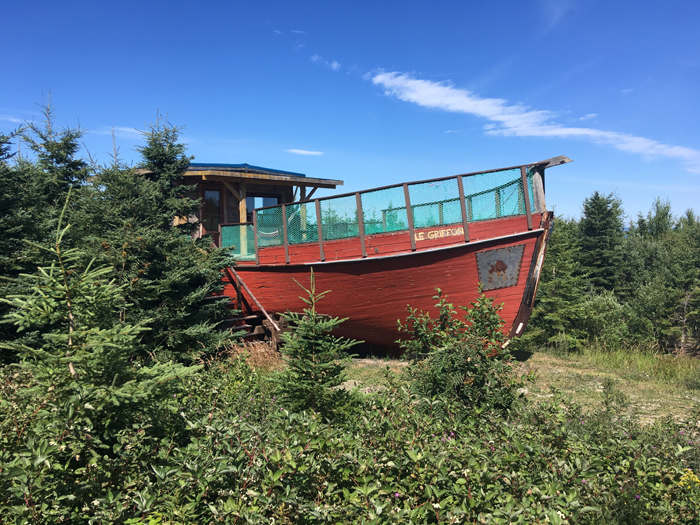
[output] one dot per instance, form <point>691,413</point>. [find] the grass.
<point>655,386</point>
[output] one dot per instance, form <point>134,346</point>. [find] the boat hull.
<point>373,292</point>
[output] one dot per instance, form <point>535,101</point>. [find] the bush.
<point>467,365</point>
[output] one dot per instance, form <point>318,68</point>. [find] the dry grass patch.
<point>583,380</point>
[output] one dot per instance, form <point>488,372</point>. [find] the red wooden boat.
<point>382,249</point>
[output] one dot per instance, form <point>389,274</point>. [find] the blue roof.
<point>246,167</point>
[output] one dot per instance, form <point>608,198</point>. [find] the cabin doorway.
<point>212,212</point>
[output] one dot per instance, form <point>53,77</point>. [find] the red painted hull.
<point>373,292</point>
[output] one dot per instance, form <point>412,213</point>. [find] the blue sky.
<point>376,93</point>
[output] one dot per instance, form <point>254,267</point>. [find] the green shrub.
<point>466,365</point>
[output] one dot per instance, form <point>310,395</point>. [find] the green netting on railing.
<point>384,210</point>
<point>270,227</point>
<point>339,218</point>
<point>301,223</point>
<point>435,203</point>
<point>494,195</point>
<point>240,238</point>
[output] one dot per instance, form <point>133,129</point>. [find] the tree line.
<point>614,287</point>
<point>115,219</point>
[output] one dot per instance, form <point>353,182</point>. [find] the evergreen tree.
<point>557,312</point>
<point>315,361</point>
<point>601,230</point>
<point>83,357</point>
<point>126,221</point>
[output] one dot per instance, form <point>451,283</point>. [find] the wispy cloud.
<point>626,91</point>
<point>304,152</point>
<point>588,116</point>
<point>554,11</point>
<point>120,131</point>
<point>520,120</point>
<point>277,32</point>
<point>333,64</point>
<point>296,31</point>
<point>453,131</point>
<point>10,118</point>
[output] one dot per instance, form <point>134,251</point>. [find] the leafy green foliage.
<point>316,360</point>
<point>239,457</point>
<point>464,364</point>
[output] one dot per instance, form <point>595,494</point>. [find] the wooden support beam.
<point>255,299</point>
<point>243,217</point>
<point>232,190</point>
<point>312,193</point>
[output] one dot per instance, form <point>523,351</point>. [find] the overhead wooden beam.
<point>554,161</point>
<point>232,190</point>
<point>263,178</point>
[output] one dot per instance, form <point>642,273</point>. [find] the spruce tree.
<point>84,355</point>
<point>127,221</point>
<point>601,230</point>
<point>555,319</point>
<point>316,361</point>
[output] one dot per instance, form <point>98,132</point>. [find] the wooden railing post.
<point>361,223</point>
<point>284,229</point>
<point>526,194</point>
<point>409,217</point>
<point>319,227</point>
<point>463,206</point>
<point>255,234</point>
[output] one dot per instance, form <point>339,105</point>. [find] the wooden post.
<point>243,217</point>
<point>538,187</point>
<point>499,211</point>
<point>284,229</point>
<point>409,216</point>
<point>526,194</point>
<point>360,223</point>
<point>255,234</point>
<point>319,227</point>
<point>302,210</point>
<point>463,206</point>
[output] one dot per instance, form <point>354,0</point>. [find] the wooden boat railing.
<point>307,222</point>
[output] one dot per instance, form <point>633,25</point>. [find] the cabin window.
<point>253,202</point>
<point>212,210</point>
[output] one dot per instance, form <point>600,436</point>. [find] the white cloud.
<point>520,120</point>
<point>626,91</point>
<point>277,32</point>
<point>10,118</point>
<point>120,131</point>
<point>453,131</point>
<point>298,32</point>
<point>304,152</point>
<point>334,64</point>
<point>554,11</point>
<point>588,116</point>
